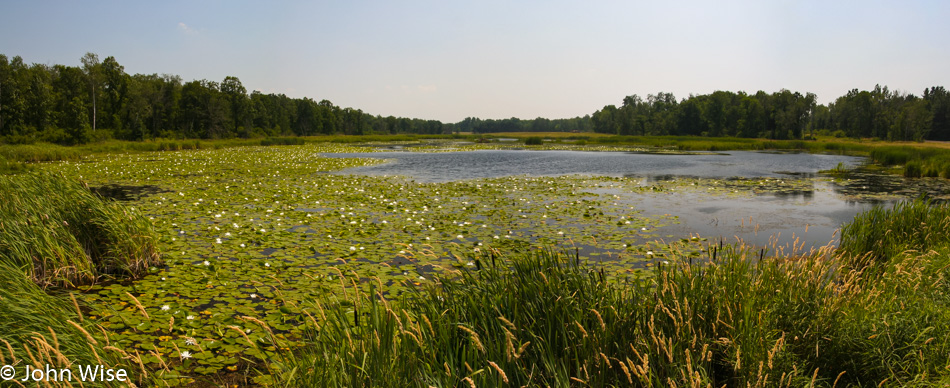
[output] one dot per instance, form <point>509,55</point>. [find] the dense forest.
<point>878,113</point>
<point>99,100</point>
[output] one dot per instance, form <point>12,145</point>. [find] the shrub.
<point>533,140</point>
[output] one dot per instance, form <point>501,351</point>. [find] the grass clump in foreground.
<point>543,318</point>
<point>43,330</point>
<point>61,233</point>
<point>54,231</point>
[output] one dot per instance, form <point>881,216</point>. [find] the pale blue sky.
<point>447,60</point>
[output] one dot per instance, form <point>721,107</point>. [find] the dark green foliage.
<point>533,140</point>
<point>282,141</point>
<point>100,101</point>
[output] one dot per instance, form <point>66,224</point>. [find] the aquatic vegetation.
<point>545,318</point>
<point>254,237</point>
<point>64,234</point>
<point>881,234</point>
<point>43,330</point>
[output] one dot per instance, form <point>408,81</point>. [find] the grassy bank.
<point>55,232</point>
<point>61,233</point>
<point>741,318</point>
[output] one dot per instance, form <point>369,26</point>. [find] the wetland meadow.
<point>453,263</point>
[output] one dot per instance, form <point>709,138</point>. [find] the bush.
<point>913,169</point>
<point>533,140</point>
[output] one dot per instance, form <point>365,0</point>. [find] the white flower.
<point>422,278</point>
<point>267,264</point>
<point>190,341</point>
<point>643,228</point>
<point>185,354</point>
<point>165,307</point>
<point>206,263</point>
<point>352,248</point>
<point>253,296</point>
<point>649,253</point>
<point>217,240</point>
<point>460,236</point>
<point>242,245</point>
<point>190,317</point>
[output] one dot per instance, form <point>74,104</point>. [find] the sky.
<point>493,59</point>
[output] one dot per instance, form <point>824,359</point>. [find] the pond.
<point>808,214</point>
<point>453,166</point>
<point>264,231</point>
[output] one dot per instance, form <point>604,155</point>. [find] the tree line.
<point>99,100</point>
<point>878,113</point>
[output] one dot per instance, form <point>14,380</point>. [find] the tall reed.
<point>741,318</point>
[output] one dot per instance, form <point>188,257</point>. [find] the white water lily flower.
<point>352,248</point>
<point>253,296</point>
<point>267,264</point>
<point>190,317</point>
<point>190,341</point>
<point>206,263</point>
<point>460,236</point>
<point>649,253</point>
<point>185,354</point>
<point>242,245</point>
<point>217,240</point>
<point>165,307</point>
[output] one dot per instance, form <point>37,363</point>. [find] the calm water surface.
<point>812,216</point>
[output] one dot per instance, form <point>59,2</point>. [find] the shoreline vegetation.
<point>910,159</point>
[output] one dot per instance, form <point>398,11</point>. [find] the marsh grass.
<point>879,235</point>
<point>63,234</point>
<point>550,319</point>
<point>43,330</point>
